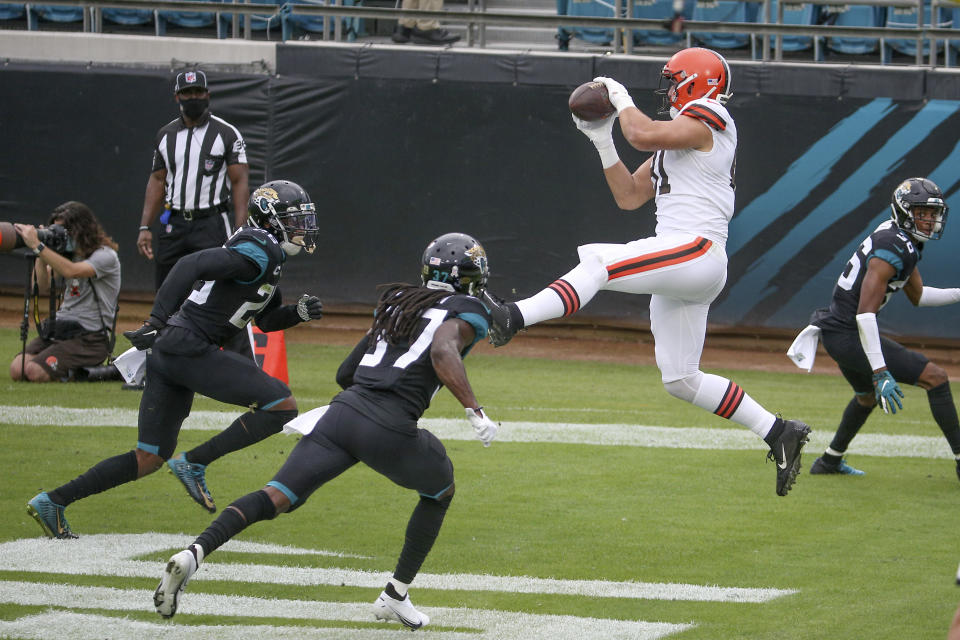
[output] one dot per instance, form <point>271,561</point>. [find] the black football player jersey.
<point>393,384</point>
<point>888,243</point>
<point>218,309</point>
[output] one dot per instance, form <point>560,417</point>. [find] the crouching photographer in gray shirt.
<point>80,336</point>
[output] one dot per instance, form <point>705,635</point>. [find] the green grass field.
<point>543,540</point>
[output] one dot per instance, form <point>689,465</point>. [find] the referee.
<point>199,174</point>
<point>199,168</point>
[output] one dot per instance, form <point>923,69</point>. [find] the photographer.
<point>88,262</point>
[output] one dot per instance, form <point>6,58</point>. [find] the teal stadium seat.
<point>585,8</point>
<point>854,16</point>
<point>128,16</point>
<point>659,10</point>
<point>902,17</point>
<point>294,24</point>
<point>723,11</point>
<point>798,14</point>
<point>52,13</point>
<point>190,20</point>
<point>11,11</point>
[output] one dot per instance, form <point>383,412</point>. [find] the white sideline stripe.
<point>492,625</point>
<point>867,444</point>
<point>111,555</point>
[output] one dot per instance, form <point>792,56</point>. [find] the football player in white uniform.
<point>683,266</point>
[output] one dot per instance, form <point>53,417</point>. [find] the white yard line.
<point>632,435</point>
<point>113,555</point>
<point>490,625</point>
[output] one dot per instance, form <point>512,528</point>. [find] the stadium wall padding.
<point>399,146</point>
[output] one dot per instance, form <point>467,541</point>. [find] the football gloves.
<point>309,308</point>
<point>600,133</point>
<point>887,390</point>
<point>484,426</point>
<point>144,337</point>
<point>619,97</point>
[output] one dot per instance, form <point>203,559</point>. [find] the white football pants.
<point>684,274</point>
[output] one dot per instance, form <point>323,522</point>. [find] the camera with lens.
<point>54,236</point>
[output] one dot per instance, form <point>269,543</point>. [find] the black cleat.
<point>822,467</point>
<point>786,453</point>
<point>504,327</point>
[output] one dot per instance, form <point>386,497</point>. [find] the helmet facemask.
<point>291,219</point>
<point>298,229</point>
<point>918,208</point>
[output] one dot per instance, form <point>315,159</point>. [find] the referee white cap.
<point>190,79</point>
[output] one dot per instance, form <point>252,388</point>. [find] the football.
<point>590,101</point>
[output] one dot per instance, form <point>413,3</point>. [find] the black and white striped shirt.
<point>196,161</point>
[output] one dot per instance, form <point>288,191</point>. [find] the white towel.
<point>803,351</point>
<point>132,365</point>
<point>305,422</point>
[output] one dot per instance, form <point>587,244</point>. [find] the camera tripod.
<point>31,290</point>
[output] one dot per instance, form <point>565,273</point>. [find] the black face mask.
<point>193,108</point>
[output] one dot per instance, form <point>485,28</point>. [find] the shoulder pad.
<point>709,111</point>
<point>246,234</point>
<point>257,245</point>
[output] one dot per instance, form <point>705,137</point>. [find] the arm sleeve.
<point>935,297</point>
<point>209,264</point>
<point>276,316</point>
<point>349,366</point>
<point>870,339</point>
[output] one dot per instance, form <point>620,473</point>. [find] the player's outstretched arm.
<point>923,296</point>
<point>448,343</point>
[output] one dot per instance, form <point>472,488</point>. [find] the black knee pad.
<point>255,506</point>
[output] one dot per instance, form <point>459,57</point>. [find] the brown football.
<point>590,101</point>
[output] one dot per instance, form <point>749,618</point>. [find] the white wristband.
<point>870,339</point>
<point>935,297</point>
<point>621,102</point>
<point>608,153</point>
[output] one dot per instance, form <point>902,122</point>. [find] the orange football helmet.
<point>694,73</point>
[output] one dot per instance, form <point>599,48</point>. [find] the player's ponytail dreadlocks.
<point>399,310</point>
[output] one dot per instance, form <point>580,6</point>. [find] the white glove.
<point>619,97</point>
<point>484,426</point>
<point>600,133</point>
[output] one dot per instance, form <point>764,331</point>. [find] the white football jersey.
<point>695,189</point>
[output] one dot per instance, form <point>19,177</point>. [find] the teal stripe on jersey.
<point>254,252</point>
<point>887,256</point>
<point>479,324</point>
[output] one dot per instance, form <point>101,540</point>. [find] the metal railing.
<point>477,18</point>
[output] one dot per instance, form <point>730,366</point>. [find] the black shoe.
<point>786,453</point>
<point>822,467</point>
<point>958,469</point>
<point>434,36</point>
<point>504,327</point>
<point>401,34</point>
